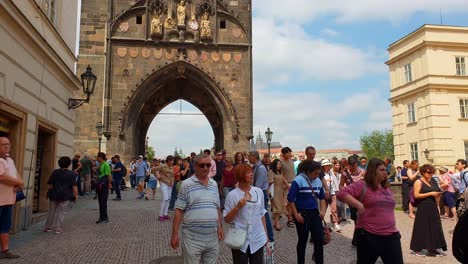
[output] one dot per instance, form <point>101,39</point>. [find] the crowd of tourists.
<point>241,190</point>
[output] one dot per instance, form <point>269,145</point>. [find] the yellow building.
<point>38,48</point>
<point>429,95</point>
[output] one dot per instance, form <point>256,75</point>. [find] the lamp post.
<point>99,127</point>
<point>88,82</point>
<point>426,155</point>
<point>268,135</point>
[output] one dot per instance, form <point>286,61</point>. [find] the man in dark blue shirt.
<point>306,198</point>
<point>405,186</point>
<point>117,174</point>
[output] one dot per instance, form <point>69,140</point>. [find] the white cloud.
<point>345,11</point>
<point>285,52</point>
<point>328,32</point>
<point>301,119</point>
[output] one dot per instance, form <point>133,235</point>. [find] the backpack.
<point>459,245</point>
<point>124,171</point>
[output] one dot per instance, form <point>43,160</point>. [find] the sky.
<point>320,77</point>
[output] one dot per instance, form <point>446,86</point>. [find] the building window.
<point>222,24</point>
<point>460,62</point>
<point>50,9</point>
<point>466,150</point>
<point>411,113</point>
<point>139,20</point>
<point>414,151</point>
<point>464,108</point>
<point>408,74</point>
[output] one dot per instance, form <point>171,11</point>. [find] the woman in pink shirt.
<point>377,235</point>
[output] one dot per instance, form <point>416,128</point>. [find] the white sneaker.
<point>337,228</point>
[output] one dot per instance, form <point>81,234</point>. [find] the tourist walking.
<point>376,232</point>
<point>260,180</point>
<point>239,159</point>
<point>278,203</point>
<point>340,206</point>
<point>427,229</point>
<point>10,183</point>
<point>84,170</point>
<point>308,218</point>
<point>449,196</point>
<point>140,170</point>
<point>166,180</point>
<point>413,175</point>
<point>405,186</point>
<point>228,180</point>
<point>62,190</point>
<point>152,181</point>
<point>177,178</point>
<point>349,176</point>
<point>212,172</point>
<point>117,175</point>
<point>244,209</point>
<point>287,166</point>
<point>104,184</point>
<point>198,210</point>
<point>133,182</point>
<point>462,168</point>
<point>333,184</point>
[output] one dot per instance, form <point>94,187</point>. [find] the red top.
<point>379,215</point>
<point>229,180</point>
<point>176,172</point>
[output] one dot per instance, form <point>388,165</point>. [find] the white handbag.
<point>235,237</point>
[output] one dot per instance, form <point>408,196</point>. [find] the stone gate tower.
<point>150,53</point>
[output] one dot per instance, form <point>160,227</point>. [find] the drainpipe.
<point>108,74</point>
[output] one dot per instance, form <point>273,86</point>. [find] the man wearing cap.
<point>333,183</point>
<point>350,175</point>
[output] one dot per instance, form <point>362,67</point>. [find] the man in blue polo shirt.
<point>303,198</point>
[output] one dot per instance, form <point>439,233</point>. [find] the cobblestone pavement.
<point>134,235</point>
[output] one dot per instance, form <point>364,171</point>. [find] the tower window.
<point>139,20</point>
<point>222,24</point>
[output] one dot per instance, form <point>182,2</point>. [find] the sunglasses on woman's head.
<point>203,165</point>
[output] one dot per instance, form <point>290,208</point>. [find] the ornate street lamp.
<point>426,155</point>
<point>268,135</point>
<point>88,81</point>
<point>99,128</point>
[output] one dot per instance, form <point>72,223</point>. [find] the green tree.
<point>150,153</point>
<point>378,144</point>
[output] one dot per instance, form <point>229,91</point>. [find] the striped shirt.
<point>301,194</point>
<point>201,204</point>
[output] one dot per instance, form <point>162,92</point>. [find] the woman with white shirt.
<point>333,185</point>
<point>244,208</point>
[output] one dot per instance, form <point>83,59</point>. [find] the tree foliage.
<point>378,144</point>
<point>150,153</point>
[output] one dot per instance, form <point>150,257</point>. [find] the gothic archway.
<point>179,80</point>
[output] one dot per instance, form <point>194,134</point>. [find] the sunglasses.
<point>204,165</point>
<point>254,201</point>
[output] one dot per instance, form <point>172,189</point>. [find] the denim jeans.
<point>173,196</point>
<point>267,218</point>
<point>133,182</point>
<point>116,181</point>
<point>103,193</point>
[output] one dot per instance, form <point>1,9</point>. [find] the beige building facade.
<point>429,95</point>
<point>37,77</point>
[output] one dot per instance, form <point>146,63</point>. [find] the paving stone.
<point>134,235</point>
